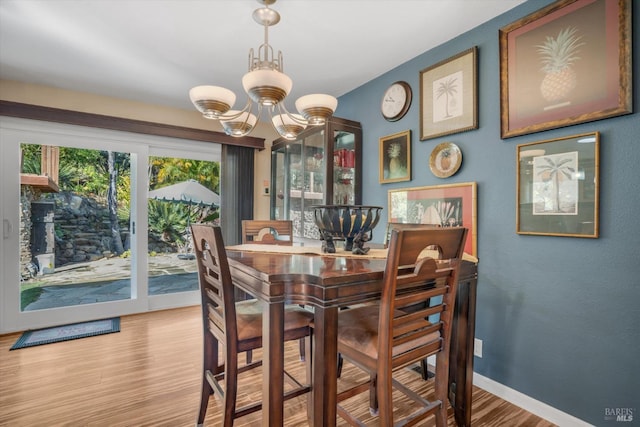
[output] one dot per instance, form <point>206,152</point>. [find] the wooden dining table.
<point>328,282</point>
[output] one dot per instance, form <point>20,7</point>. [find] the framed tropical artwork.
<point>452,205</point>
<point>395,157</point>
<point>567,63</point>
<point>558,186</point>
<point>449,96</point>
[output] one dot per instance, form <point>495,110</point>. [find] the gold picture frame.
<point>452,205</point>
<point>395,157</point>
<point>567,63</point>
<point>558,186</point>
<point>449,96</point>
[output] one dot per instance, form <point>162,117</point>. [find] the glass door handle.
<point>6,229</point>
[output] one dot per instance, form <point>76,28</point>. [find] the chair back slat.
<point>417,353</point>
<point>267,232</point>
<point>405,298</point>
<point>412,316</point>
<point>401,324</point>
<point>418,335</point>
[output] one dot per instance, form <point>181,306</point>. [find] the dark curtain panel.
<point>236,191</point>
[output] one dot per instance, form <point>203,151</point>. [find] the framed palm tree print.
<point>558,182</point>
<point>449,96</point>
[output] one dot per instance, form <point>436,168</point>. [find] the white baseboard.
<point>527,403</point>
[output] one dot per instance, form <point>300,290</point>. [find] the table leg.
<point>325,362</point>
<point>273,364</point>
<point>461,363</point>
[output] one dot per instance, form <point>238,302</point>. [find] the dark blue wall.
<point>559,316</point>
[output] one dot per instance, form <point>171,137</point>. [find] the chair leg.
<point>308,342</point>
<point>205,393</point>
<point>373,395</point>
<point>385,400</point>
<point>441,388</point>
<point>302,344</point>
<point>302,350</point>
<point>209,364</point>
<point>424,370</point>
<point>231,390</point>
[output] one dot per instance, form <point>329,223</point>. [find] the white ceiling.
<point>154,51</point>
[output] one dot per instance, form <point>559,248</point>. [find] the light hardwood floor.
<point>149,375</point>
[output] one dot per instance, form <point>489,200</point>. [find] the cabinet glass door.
<point>280,183</point>
<point>344,168</point>
<point>313,185</point>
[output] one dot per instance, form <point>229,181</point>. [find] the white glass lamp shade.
<point>240,125</point>
<point>317,107</point>
<point>267,87</point>
<point>287,126</point>
<point>212,101</point>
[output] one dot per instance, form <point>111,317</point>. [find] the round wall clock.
<point>396,101</point>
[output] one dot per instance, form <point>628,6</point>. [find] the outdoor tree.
<point>112,202</point>
<point>164,171</point>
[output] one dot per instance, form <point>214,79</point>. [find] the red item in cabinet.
<point>350,159</point>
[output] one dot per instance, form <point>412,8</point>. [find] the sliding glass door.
<point>79,239</point>
<point>183,188</point>
<point>75,226</point>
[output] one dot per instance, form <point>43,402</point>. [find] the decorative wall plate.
<point>445,160</point>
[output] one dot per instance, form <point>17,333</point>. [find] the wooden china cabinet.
<point>323,165</point>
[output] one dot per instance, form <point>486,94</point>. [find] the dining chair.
<point>424,371</point>
<point>237,326</point>
<point>424,368</point>
<point>267,232</point>
<point>423,263</point>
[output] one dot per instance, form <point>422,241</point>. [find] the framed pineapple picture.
<point>567,63</point>
<point>395,157</point>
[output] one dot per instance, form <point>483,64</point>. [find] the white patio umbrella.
<point>190,192</point>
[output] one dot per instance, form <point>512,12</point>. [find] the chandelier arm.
<point>286,124</point>
<point>247,108</point>
<point>249,129</point>
<point>259,112</point>
<point>295,117</point>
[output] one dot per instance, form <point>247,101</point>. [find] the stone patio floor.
<point>108,279</point>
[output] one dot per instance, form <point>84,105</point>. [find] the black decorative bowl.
<point>351,223</point>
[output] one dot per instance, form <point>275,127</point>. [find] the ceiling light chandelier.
<point>267,86</point>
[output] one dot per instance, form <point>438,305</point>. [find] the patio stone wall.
<point>25,237</point>
<point>82,231</point>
